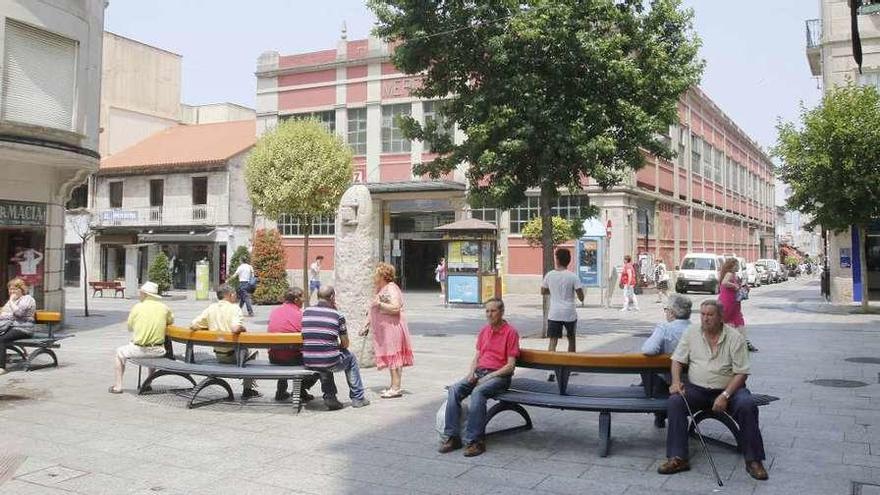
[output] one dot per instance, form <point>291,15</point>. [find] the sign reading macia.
<point>15,213</point>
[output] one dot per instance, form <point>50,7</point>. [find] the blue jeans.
<point>349,365</point>
<point>480,394</point>
<point>244,298</point>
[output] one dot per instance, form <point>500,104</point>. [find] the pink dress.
<point>732,309</point>
<point>391,339</point>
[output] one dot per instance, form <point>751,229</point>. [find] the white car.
<point>752,277</point>
<point>699,271</point>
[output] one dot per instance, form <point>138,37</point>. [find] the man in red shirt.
<point>287,318</point>
<point>489,374</point>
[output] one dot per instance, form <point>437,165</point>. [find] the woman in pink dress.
<point>730,286</point>
<point>391,339</point>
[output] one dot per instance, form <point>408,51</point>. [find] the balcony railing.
<point>814,33</point>
<point>157,215</point>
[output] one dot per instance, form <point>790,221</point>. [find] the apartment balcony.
<point>814,46</point>
<point>157,216</point>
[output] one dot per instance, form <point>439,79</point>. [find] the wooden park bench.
<point>215,373</point>
<point>604,399</point>
<point>42,342</point>
<point>115,285</point>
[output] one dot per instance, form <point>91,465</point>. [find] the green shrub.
<point>160,273</point>
<point>269,264</point>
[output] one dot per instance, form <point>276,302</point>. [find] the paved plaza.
<point>61,432</point>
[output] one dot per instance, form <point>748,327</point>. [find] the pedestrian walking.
<point>315,275</point>
<point>387,322</point>
<point>733,291</point>
<point>661,281</point>
<point>562,286</point>
<point>247,282</point>
<point>628,284</point>
<point>440,275</point>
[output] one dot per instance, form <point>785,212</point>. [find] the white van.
<point>699,271</point>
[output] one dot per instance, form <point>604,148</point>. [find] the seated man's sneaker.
<point>282,396</point>
<point>333,404</point>
<point>453,443</point>
<point>360,402</point>
<point>306,397</point>
<point>756,470</point>
<point>474,449</point>
<point>250,393</point>
<point>674,465</point>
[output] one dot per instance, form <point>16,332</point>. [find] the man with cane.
<point>718,366</point>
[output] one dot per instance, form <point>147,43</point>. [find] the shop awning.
<point>468,225</point>
<point>207,237</point>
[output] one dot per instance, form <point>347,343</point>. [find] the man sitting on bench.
<point>16,316</point>
<point>146,322</point>
<point>663,340</point>
<point>490,374</point>
<point>718,366</point>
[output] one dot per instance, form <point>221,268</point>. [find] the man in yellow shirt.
<point>226,316</point>
<point>146,322</point>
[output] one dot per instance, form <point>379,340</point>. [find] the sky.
<point>756,67</point>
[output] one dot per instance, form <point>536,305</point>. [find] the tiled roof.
<point>192,145</point>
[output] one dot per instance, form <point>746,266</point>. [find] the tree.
<point>832,162</point>
<point>241,253</point>
<point>269,266</point>
<point>81,224</point>
<point>548,92</point>
<point>299,169</point>
<point>563,230</point>
<point>160,272</point>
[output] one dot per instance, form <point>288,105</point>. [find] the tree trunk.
<point>548,191</point>
<point>305,277</point>
<point>863,266</point>
<point>85,275</point>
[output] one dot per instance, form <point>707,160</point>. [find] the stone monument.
<point>353,267</point>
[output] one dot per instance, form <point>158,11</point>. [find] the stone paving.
<point>60,431</point>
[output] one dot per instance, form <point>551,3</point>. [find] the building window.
<point>719,166</point>
<point>326,118</point>
<point>116,194</point>
<point>157,192</point>
<point>79,197</point>
<point>430,110</point>
<point>567,207</point>
<point>393,140</point>
<point>485,214</point>
<point>707,159</point>
<point>200,190</point>
<point>288,225</point>
<point>357,130</point>
<point>39,77</point>
<point>696,153</point>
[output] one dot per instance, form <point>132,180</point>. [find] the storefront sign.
<point>401,87</point>
<point>14,213</point>
<point>119,215</point>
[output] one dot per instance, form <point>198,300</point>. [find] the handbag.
<point>742,294</point>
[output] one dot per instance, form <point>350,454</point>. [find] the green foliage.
<point>269,265</point>
<point>160,272</point>
<point>791,261</point>
<point>241,253</point>
<point>563,231</point>
<point>300,169</point>
<point>832,160</point>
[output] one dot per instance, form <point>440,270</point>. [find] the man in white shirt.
<point>562,286</point>
<point>315,275</point>
<point>245,274</point>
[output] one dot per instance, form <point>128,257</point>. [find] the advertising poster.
<point>463,255</point>
<point>463,288</point>
<point>203,281</point>
<point>488,283</point>
<point>845,258</point>
<point>589,261</point>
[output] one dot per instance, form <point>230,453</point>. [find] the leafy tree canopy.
<point>832,160</point>
<point>563,231</point>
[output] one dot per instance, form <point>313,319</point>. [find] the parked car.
<point>764,275</point>
<point>753,278</point>
<point>775,269</point>
<point>699,271</point>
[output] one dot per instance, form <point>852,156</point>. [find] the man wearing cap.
<point>146,322</point>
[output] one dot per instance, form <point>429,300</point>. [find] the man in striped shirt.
<point>325,349</point>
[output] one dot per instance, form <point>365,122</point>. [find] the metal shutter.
<point>39,77</point>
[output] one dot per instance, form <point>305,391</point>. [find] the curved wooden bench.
<point>42,342</point>
<point>603,399</point>
<point>237,341</point>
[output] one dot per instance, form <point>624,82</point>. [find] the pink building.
<point>716,196</point>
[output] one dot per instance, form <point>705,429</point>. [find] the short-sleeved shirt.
<point>562,285</point>
<point>495,346</point>
<point>147,321</point>
<point>222,316</point>
<point>286,318</point>
<point>314,271</point>
<point>244,272</point>
<point>322,327</point>
<point>712,370</point>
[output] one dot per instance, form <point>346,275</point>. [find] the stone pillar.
<point>131,271</point>
<point>354,263</point>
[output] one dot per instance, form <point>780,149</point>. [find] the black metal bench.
<point>604,399</point>
<point>42,342</point>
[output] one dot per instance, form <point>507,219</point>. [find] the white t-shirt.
<point>244,272</point>
<point>314,271</point>
<point>562,285</point>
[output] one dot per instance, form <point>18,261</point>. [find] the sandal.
<point>114,390</point>
<point>391,394</point>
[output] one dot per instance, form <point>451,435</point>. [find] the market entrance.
<point>419,258</point>
<point>415,246</point>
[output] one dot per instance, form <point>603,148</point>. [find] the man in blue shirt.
<point>663,340</point>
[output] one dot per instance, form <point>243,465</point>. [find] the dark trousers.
<point>244,298</point>
<point>281,387</point>
<point>349,365</point>
<point>8,338</point>
<point>741,407</point>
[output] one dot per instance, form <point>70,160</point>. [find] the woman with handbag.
<point>733,291</point>
<point>387,322</point>
<point>628,284</point>
<point>661,281</point>
<point>16,316</point>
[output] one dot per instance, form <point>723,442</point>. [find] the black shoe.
<point>333,404</point>
<point>660,421</point>
<point>750,347</point>
<point>250,393</point>
<point>551,377</point>
<point>306,397</point>
<point>282,396</point>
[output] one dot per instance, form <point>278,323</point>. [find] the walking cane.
<point>702,441</point>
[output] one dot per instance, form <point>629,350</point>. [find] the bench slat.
<point>181,334</point>
<point>584,403</point>
<point>545,387</point>
<point>257,371</point>
<point>530,358</point>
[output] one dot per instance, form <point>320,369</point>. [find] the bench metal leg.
<point>145,386</point>
<point>723,418</point>
<point>22,353</point>
<point>502,406</point>
<point>296,393</point>
<point>207,382</point>
<point>604,433</point>
<point>40,351</point>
